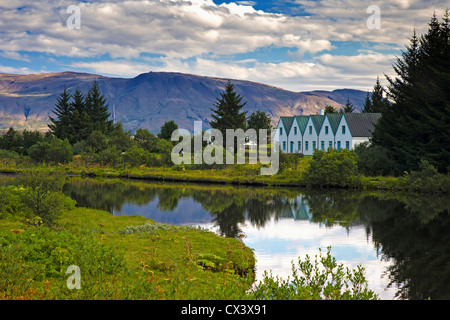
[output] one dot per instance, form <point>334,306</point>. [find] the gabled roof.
<point>318,120</point>
<point>302,121</point>
<point>334,119</point>
<point>287,123</point>
<point>361,124</point>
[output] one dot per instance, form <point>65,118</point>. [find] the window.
<point>326,129</point>
<point>306,145</point>
<point>295,130</point>
<point>347,144</point>
<point>299,146</point>
<point>343,129</point>
<point>330,144</point>
<point>281,131</point>
<point>310,129</point>
<point>322,145</point>
<point>284,145</point>
<point>339,145</point>
<point>314,145</point>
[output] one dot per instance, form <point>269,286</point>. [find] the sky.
<point>297,45</point>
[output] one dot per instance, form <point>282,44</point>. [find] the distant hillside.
<point>150,99</point>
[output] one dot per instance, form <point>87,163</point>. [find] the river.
<point>402,241</point>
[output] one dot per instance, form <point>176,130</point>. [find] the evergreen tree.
<point>60,126</point>
<point>97,110</point>
<point>348,108</point>
<point>227,114</point>
<point>376,102</point>
<point>80,120</point>
<point>416,126</point>
<point>367,106</point>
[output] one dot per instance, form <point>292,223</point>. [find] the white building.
<point>304,134</point>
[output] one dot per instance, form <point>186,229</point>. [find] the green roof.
<point>287,123</point>
<point>318,120</point>
<point>334,119</point>
<point>302,121</point>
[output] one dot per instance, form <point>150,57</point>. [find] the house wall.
<point>326,137</point>
<point>281,138</point>
<point>295,138</point>
<point>343,137</point>
<point>309,139</point>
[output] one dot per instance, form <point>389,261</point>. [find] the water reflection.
<point>404,237</point>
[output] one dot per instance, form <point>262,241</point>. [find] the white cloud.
<point>198,31</point>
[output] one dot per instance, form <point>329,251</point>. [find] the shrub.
<point>42,196</point>
<point>428,179</point>
<point>289,160</point>
<point>333,168</point>
<point>53,150</point>
<point>374,160</point>
<point>322,280</point>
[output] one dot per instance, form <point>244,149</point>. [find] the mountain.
<point>150,99</point>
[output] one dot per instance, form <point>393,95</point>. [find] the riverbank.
<point>236,175</point>
<point>121,257</point>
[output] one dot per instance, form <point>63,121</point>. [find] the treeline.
<point>414,126</point>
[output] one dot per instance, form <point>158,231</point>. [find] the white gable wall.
<point>326,136</point>
<point>343,138</point>
<point>295,137</point>
<point>309,138</point>
<point>281,138</point>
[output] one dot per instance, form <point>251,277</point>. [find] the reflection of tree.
<point>418,246</point>
<point>412,231</point>
<point>106,195</point>
<point>168,198</point>
<point>333,206</point>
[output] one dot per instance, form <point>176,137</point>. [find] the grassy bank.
<point>234,175</point>
<point>124,257</point>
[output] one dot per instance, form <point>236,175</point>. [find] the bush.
<point>428,179</point>
<point>323,280</point>
<point>333,168</point>
<point>374,160</point>
<point>53,150</point>
<point>289,160</point>
<point>41,196</point>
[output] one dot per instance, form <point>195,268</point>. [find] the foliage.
<point>259,120</point>
<point>41,255</point>
<point>376,102</point>
<point>415,127</point>
<point>348,108</point>
<point>42,196</point>
<point>428,179</point>
<point>167,128</point>
<point>227,113</point>
<point>333,168</point>
<point>330,109</point>
<point>51,150</point>
<point>324,279</point>
<point>77,119</point>
<point>375,160</point>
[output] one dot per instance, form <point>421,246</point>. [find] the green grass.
<point>166,263</point>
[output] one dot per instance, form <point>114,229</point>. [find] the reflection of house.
<point>304,134</point>
<point>297,209</point>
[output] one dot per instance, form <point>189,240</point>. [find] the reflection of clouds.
<point>283,241</point>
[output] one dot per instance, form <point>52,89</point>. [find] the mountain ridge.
<point>150,99</point>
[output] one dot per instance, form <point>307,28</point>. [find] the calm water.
<point>402,242</point>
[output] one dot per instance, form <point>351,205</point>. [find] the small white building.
<point>304,134</point>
